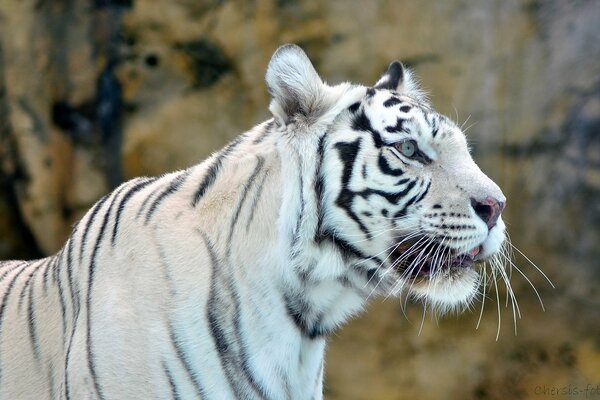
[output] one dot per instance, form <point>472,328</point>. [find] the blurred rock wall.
<point>95,92</point>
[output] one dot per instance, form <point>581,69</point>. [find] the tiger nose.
<point>488,209</point>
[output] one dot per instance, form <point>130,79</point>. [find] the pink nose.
<point>488,209</point>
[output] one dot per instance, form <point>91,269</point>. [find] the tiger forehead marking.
<point>224,280</point>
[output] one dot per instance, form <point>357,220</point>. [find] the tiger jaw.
<point>443,277</point>
<point>444,282</point>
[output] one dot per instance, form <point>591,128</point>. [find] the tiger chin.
<point>224,280</point>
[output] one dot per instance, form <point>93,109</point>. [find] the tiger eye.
<point>407,148</point>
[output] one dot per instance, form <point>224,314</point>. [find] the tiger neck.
<point>296,289</point>
<point>318,288</point>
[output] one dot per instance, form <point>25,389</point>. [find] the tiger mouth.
<point>418,262</point>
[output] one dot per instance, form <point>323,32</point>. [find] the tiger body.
<point>224,280</point>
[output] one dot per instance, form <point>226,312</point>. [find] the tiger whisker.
<point>533,264</point>
<point>409,252</point>
<point>498,302</point>
<point>391,267</point>
<point>469,127</point>
<point>410,269</point>
<point>484,278</point>
<point>530,283</point>
<point>509,291</point>
<point>423,319</point>
<point>399,281</point>
<point>465,121</point>
<point>415,234</point>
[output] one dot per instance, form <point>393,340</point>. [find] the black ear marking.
<point>393,77</point>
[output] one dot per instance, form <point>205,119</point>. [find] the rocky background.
<point>93,92</point>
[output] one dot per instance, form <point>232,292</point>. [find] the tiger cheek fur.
<point>224,280</point>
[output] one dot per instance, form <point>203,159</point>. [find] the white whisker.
<point>484,277</point>
<point>533,264</point>
<point>498,303</point>
<point>422,319</point>
<point>530,284</point>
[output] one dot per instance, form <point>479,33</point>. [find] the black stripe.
<point>385,167</point>
<point>404,209</point>
<point>148,198</point>
<point>422,158</point>
<point>319,185</point>
<point>259,164</point>
<point>9,289</point>
<point>393,198</point>
<point>4,302</point>
<point>347,153</point>
<point>6,271</point>
<point>186,364</point>
<point>296,234</point>
<point>391,102</point>
<point>133,190</point>
<point>88,225</point>
<point>362,123</point>
<point>213,170</point>
<point>256,198</point>
<point>92,268</point>
<point>258,388</point>
<point>26,284</point>
<point>345,247</point>
<point>45,277</point>
<point>50,379</point>
<point>414,200</point>
<point>434,126</point>
<point>216,317</point>
<point>300,311</point>
<point>72,285</point>
<point>399,127</point>
<point>99,238</point>
<point>173,187</point>
<point>424,193</point>
<point>368,274</point>
<point>174,391</point>
<point>266,130</point>
<point>33,336</point>
<point>232,352</point>
<point>61,295</point>
<point>67,358</point>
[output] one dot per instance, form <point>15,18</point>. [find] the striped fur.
<point>224,280</point>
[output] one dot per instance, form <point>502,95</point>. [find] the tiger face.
<point>411,196</point>
<point>398,191</point>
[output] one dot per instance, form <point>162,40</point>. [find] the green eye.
<point>408,148</point>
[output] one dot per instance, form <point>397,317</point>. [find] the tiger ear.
<point>399,78</point>
<point>393,78</point>
<point>295,86</point>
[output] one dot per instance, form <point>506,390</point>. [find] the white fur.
<point>239,261</point>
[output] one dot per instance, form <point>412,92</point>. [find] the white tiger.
<point>224,280</point>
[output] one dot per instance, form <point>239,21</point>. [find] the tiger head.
<point>397,191</point>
